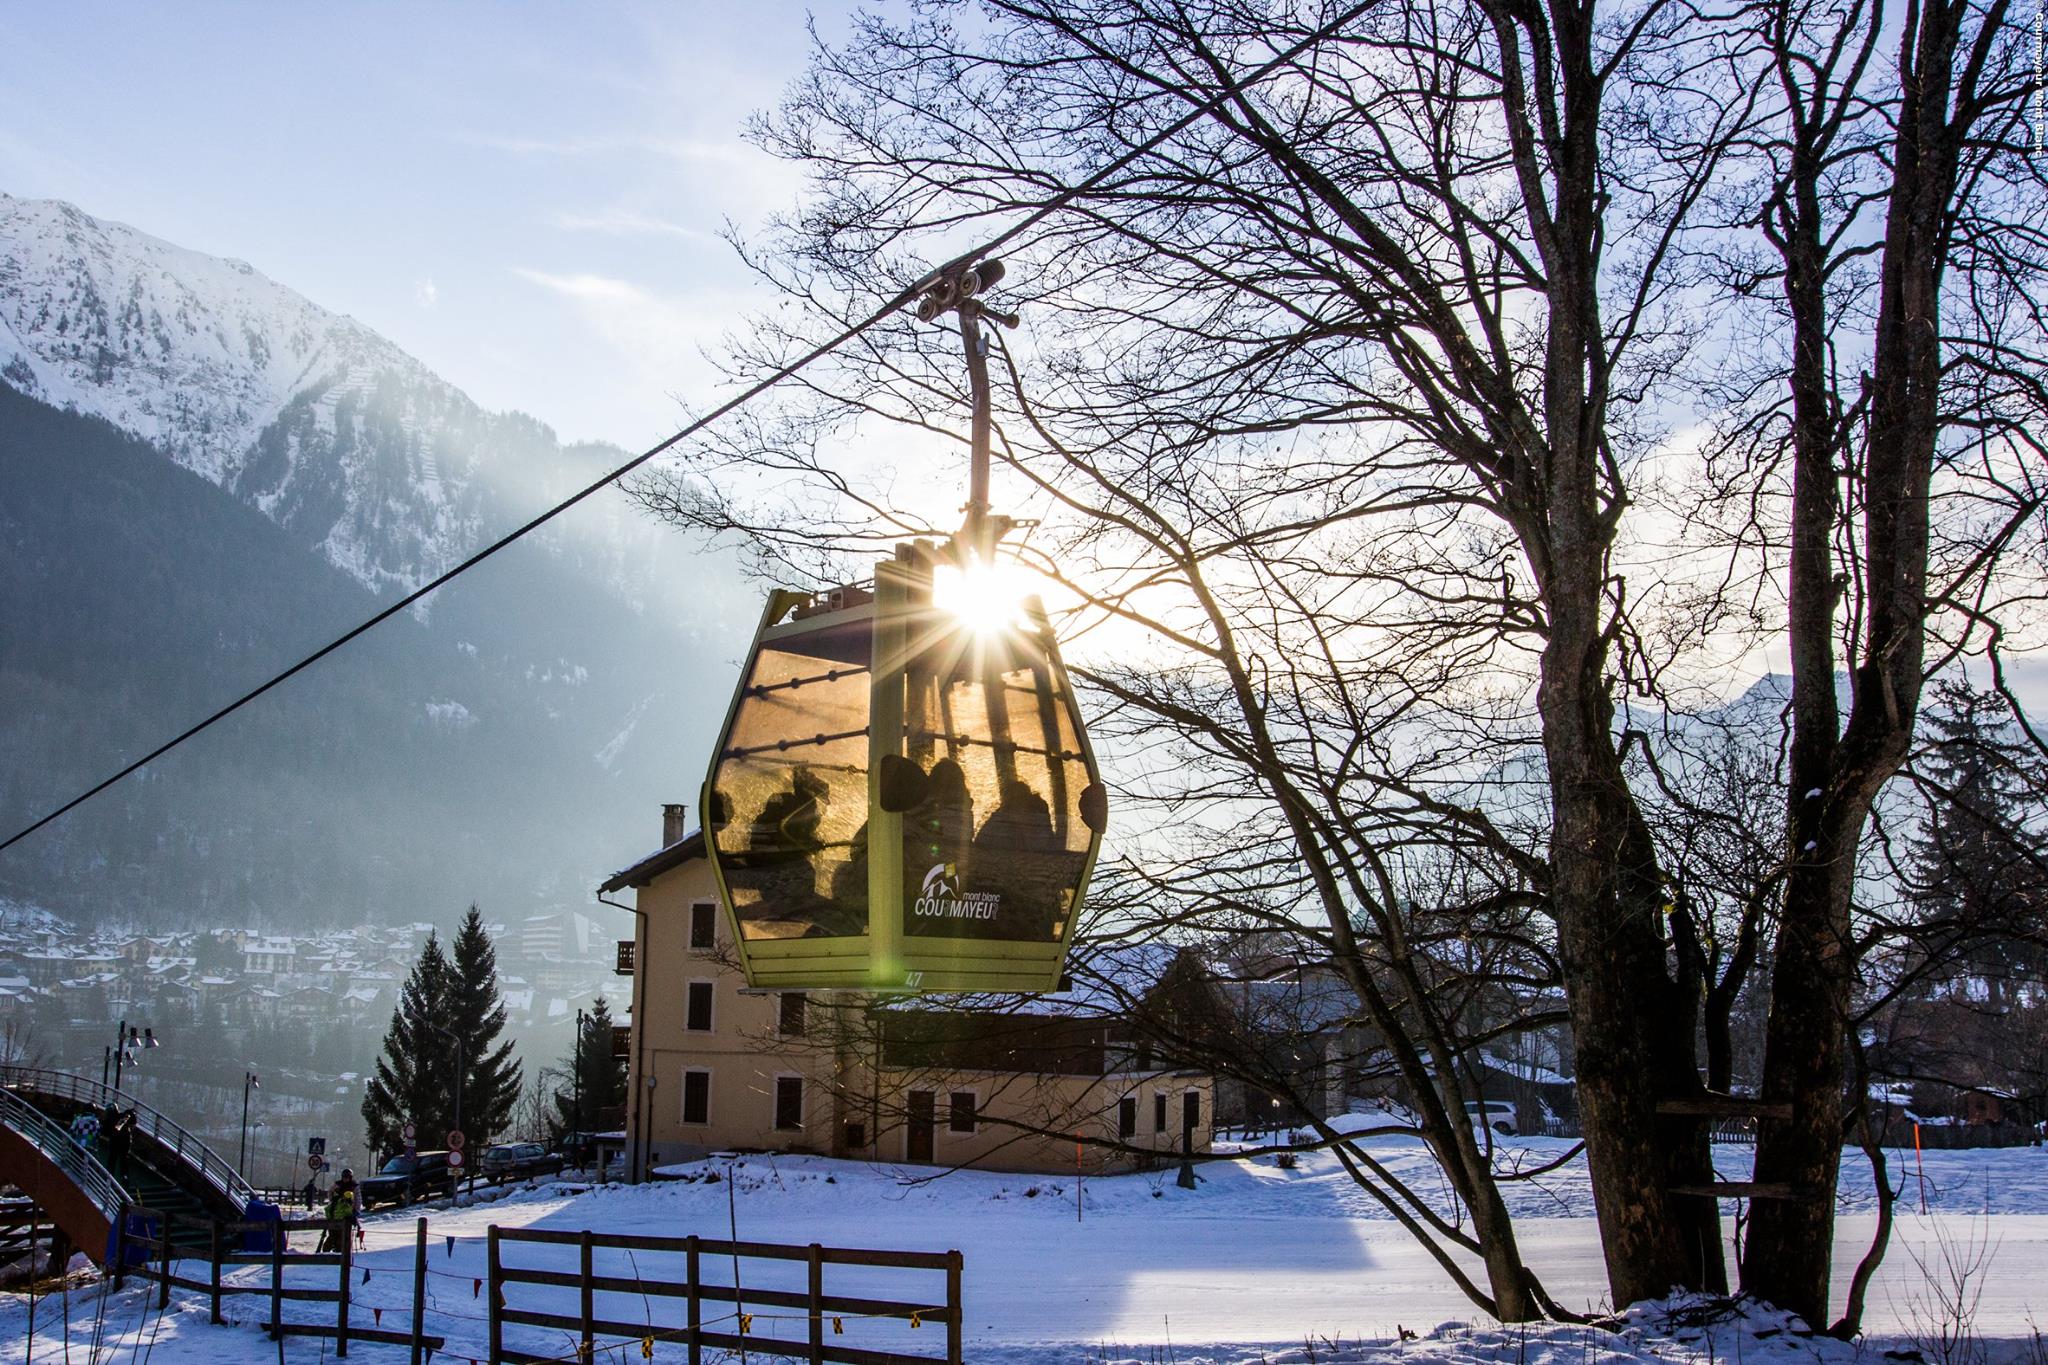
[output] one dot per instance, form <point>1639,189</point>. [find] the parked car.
<point>1498,1115</point>
<point>406,1179</point>
<point>518,1161</point>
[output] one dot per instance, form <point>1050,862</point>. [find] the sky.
<point>526,197</point>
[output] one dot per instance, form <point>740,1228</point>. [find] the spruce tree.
<point>597,1080</point>
<point>415,1077</point>
<point>491,1083</point>
<point>1977,893</point>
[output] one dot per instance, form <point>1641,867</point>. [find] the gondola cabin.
<point>903,796</point>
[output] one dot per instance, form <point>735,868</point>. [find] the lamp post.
<point>249,1082</point>
<point>128,1040</point>
<point>461,1073</point>
<point>576,1067</point>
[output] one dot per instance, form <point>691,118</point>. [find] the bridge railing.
<point>210,1165</point>
<point>54,1141</point>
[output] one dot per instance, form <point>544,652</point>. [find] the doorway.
<point>923,1111</point>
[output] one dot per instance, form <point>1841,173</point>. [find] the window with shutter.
<point>789,1101</point>
<point>696,1096</point>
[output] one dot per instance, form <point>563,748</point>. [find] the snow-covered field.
<point>1255,1263</point>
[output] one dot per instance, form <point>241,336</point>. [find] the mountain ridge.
<point>508,738</point>
<point>323,424</point>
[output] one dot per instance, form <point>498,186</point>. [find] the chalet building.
<point>268,956</point>
<point>1004,1084</point>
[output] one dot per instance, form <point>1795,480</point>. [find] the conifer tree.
<point>1977,866</point>
<point>491,1082</point>
<point>415,1077</point>
<point>597,1080</point>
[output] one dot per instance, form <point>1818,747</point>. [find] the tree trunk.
<point>1633,1030</point>
<point>1788,1259</point>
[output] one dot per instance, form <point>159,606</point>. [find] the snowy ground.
<point>1260,1261</point>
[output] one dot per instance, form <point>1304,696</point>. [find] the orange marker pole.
<point>1920,1167</point>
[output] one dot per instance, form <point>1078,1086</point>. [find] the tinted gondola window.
<point>789,797</point>
<point>998,847</point>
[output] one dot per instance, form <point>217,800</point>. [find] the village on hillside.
<point>304,1012</point>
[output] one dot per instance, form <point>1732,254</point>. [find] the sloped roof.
<point>690,846</point>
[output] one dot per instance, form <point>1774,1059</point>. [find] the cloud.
<point>693,151</point>
<point>630,223</point>
<point>426,293</point>
<point>660,340</point>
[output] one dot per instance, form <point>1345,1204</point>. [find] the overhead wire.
<point>1229,91</point>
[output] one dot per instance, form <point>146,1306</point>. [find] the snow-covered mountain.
<point>330,430</point>
<point>203,475</point>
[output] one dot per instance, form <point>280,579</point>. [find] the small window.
<point>696,1097</point>
<point>961,1112</point>
<point>1159,1112</point>
<point>703,925</point>
<point>1190,1111</point>
<point>856,1135</point>
<point>1127,1118</point>
<point>697,1008</point>
<point>790,1022</point>
<point>789,1101</point>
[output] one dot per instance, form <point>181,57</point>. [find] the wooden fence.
<point>822,1314</point>
<point>155,1255</point>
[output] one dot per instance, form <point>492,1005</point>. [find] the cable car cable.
<point>901,299</point>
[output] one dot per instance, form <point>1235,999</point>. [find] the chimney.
<point>671,825</point>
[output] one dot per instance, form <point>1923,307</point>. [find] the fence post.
<point>817,1292</point>
<point>277,1280</point>
<point>491,1285</point>
<point>954,1312</point>
<point>419,1287</point>
<point>121,1244</point>
<point>696,1303</point>
<point>341,1304</point>
<point>213,1255</point>
<point>163,1279</point>
<point>583,1283</point>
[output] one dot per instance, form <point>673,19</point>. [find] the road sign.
<point>455,1139</point>
<point>315,1162</point>
<point>316,1146</point>
<point>408,1132</point>
<point>455,1158</point>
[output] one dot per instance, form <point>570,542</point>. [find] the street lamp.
<point>249,1082</point>
<point>461,1072</point>
<point>576,1067</point>
<point>127,1042</point>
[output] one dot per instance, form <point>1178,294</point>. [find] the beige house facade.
<point>715,1066</point>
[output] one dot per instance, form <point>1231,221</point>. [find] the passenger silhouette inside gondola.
<point>937,840</point>
<point>847,909</point>
<point>782,854</point>
<point>1019,856</point>
<point>942,829</point>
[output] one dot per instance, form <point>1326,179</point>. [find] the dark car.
<point>518,1161</point>
<point>405,1179</point>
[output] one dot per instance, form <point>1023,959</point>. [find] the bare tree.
<point>1901,237</point>
<point>1337,407</point>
